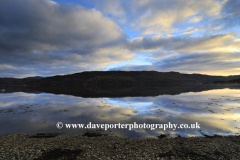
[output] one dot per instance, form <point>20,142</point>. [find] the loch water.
<point>216,110</point>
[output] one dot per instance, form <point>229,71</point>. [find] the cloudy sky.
<point>46,38</point>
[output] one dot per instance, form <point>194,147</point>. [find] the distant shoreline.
<point>118,78</point>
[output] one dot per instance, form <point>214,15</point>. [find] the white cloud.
<point>7,67</point>
<point>188,32</point>
<point>160,16</point>
<point>196,19</point>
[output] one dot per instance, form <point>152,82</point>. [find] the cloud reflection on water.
<point>217,112</point>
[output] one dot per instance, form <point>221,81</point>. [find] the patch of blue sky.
<point>233,29</point>
<point>29,68</point>
<point>130,32</point>
<point>196,34</point>
<point>141,59</point>
<point>109,15</point>
<point>152,35</point>
<point>86,4</point>
<point>64,1</point>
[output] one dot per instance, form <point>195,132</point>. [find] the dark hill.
<point>126,79</point>
<point>17,81</point>
<point>234,81</point>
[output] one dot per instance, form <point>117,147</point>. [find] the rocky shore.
<point>29,147</point>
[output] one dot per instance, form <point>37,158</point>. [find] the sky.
<point>47,38</point>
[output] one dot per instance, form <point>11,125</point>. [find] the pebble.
<point>109,147</point>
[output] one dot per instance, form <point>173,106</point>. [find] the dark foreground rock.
<point>109,147</point>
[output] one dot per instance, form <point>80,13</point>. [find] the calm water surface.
<point>217,111</point>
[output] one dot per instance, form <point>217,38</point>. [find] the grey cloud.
<point>42,32</point>
<point>201,61</point>
<point>37,25</point>
<point>230,15</point>
<point>232,7</point>
<point>182,43</point>
<point>41,35</point>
